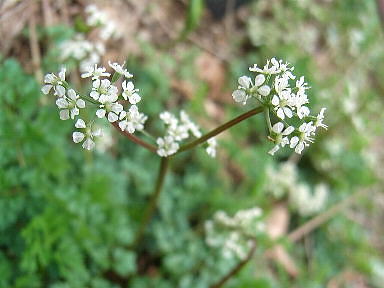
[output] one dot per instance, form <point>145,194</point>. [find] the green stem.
<point>151,208</point>
<point>236,269</point>
<point>268,119</point>
<point>221,128</point>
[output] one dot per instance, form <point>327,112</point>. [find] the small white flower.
<point>303,140</point>
<point>103,88</point>
<point>301,86</point>
<point>193,127</point>
<point>280,136</point>
<point>320,118</point>
<point>120,69</point>
<point>302,111</point>
<point>178,132</point>
<point>168,118</point>
<point>130,93</point>
<point>70,105</point>
<point>132,120</point>
<point>95,16</point>
<point>263,90</point>
<point>240,96</point>
<point>109,107</point>
<point>95,72</point>
<point>55,82</point>
<point>246,88</point>
<point>167,146</point>
<point>282,104</point>
<point>211,149</point>
<point>275,68</point>
<point>86,134</point>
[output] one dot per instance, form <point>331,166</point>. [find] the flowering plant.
<point>283,102</point>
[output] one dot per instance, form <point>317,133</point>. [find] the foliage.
<point>69,217</point>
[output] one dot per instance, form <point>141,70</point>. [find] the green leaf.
<point>195,11</point>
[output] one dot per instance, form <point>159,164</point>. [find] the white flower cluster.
<point>86,52</point>
<point>105,95</point>
<point>98,18</point>
<point>82,50</point>
<point>274,87</point>
<point>284,182</point>
<point>177,130</point>
<point>235,235</point>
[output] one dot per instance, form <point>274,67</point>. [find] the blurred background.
<point>67,216</point>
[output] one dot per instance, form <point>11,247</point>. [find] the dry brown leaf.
<point>277,226</point>
<point>212,70</point>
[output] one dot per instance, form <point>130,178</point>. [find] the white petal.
<point>288,130</point>
<point>77,136</point>
<point>123,124</point>
<point>288,112</point>
<point>239,95</point>
<point>100,113</point>
<point>112,117</point>
<point>74,112</point>
<point>122,115</point>
<point>62,103</point>
<point>264,90</point>
<point>299,148</point>
<point>49,78</point>
<point>80,124</point>
<point>86,75</point>
<point>46,89</point>
<point>275,100</point>
<point>96,83</point>
<point>245,81</point>
<point>278,127</point>
<point>62,74</point>
<point>80,103</point>
<point>117,108</point>
<point>274,150</point>
<point>64,114</point>
<point>95,95</point>
<point>72,94</point>
<point>280,113</point>
<point>294,141</point>
<point>130,86</point>
<point>60,90</point>
<point>88,144</point>
<point>134,99</point>
<point>260,79</point>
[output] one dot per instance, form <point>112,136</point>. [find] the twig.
<point>380,9</point>
<point>47,13</point>
<point>64,11</point>
<point>236,269</point>
<point>153,202</point>
<point>315,222</point>
<point>34,45</point>
<point>229,17</point>
<point>136,139</point>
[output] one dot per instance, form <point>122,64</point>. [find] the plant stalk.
<point>236,269</point>
<point>151,208</point>
<point>136,139</point>
<point>221,128</point>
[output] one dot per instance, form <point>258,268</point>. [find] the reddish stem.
<point>135,139</point>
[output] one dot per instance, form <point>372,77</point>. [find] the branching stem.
<point>221,128</point>
<point>236,269</point>
<point>151,208</point>
<point>136,139</point>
